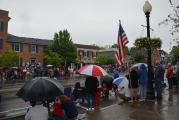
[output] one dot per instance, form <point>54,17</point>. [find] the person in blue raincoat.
<point>143,79</point>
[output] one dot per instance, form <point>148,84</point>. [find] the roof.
<point>37,41</point>
<point>109,50</point>
<point>12,38</point>
<point>87,46</point>
<point>3,10</point>
<point>163,52</point>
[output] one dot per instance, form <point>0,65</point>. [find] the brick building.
<point>31,50</point>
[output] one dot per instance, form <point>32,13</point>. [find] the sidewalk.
<point>166,109</point>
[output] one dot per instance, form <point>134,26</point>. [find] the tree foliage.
<point>103,60</point>
<point>172,19</point>
<point>175,52</point>
<point>8,58</point>
<point>144,42</point>
<point>64,47</point>
<point>53,58</point>
<point>114,46</point>
<point>137,58</point>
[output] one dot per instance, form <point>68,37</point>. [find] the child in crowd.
<point>57,110</point>
<point>70,110</point>
<point>78,93</point>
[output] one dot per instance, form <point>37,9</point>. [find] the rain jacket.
<point>159,72</point>
<point>91,84</point>
<point>143,75</point>
<point>38,112</point>
<point>69,107</point>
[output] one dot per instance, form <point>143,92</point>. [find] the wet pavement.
<point>166,109</point>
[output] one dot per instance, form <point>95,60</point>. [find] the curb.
<point>7,90</point>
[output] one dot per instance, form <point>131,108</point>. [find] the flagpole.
<point>119,21</point>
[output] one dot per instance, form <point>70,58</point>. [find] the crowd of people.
<point>161,76</point>
<point>10,75</point>
<point>137,79</point>
<point>64,107</point>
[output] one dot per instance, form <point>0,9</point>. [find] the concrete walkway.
<point>166,109</point>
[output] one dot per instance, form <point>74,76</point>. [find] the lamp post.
<point>147,8</point>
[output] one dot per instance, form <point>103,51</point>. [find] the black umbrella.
<point>40,89</point>
<point>107,79</point>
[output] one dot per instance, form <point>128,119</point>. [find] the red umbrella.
<point>92,70</point>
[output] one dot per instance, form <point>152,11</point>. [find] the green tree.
<point>144,42</point>
<point>9,58</point>
<point>175,52</point>
<point>101,59</point>
<point>64,47</point>
<point>109,61</point>
<point>137,58</point>
<point>53,58</point>
<point>114,46</point>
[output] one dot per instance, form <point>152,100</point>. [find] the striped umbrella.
<point>92,70</point>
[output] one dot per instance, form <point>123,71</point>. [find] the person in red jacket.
<point>57,110</point>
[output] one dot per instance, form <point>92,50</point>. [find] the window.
<point>33,48</point>
<point>17,47</point>
<point>1,43</point>
<point>85,54</point>
<point>1,26</point>
<point>32,61</point>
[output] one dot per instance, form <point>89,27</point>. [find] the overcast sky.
<point>88,21</point>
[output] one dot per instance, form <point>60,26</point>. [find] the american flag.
<point>121,42</point>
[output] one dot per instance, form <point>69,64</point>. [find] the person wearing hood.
<point>159,76</point>
<point>143,79</point>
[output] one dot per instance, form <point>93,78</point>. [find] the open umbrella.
<point>107,79</point>
<point>40,89</point>
<point>92,70</point>
<point>138,65</point>
<point>121,82</point>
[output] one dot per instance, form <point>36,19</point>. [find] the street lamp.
<point>147,8</point>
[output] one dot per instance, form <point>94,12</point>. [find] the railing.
<point>19,81</point>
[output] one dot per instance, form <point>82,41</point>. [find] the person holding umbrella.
<point>91,85</point>
<point>36,90</point>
